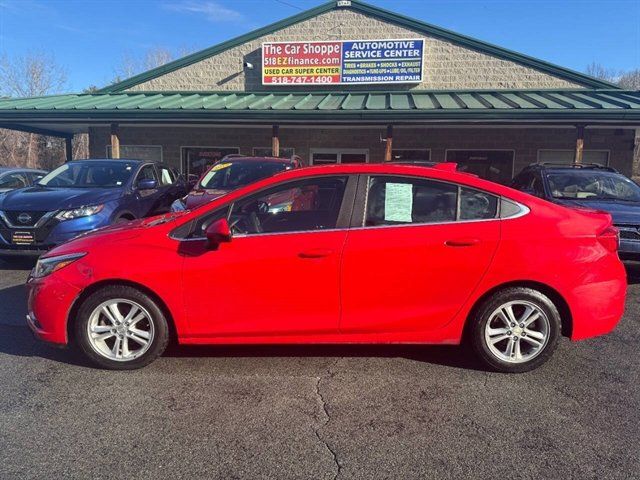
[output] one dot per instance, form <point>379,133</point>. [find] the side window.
<point>477,205</point>
<point>147,173</point>
<point>166,176</point>
<point>36,176</point>
<point>522,181</point>
<point>13,180</point>
<point>537,187</point>
<point>399,200</point>
<point>306,205</point>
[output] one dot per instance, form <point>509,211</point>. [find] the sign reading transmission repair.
<point>342,62</point>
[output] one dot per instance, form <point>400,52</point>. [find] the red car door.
<point>279,275</point>
<point>422,249</point>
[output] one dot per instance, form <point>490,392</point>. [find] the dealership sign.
<point>342,62</point>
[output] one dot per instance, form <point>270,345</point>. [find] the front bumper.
<point>47,234</point>
<point>629,239</point>
<point>49,301</point>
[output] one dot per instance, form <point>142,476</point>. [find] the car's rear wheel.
<point>121,328</point>
<point>515,330</point>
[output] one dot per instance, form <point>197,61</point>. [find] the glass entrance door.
<point>328,156</point>
<point>196,160</point>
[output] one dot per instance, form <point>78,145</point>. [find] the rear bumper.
<point>598,306</point>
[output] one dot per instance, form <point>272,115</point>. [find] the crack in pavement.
<point>325,411</point>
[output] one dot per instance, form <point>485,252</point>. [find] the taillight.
<point>610,238</point>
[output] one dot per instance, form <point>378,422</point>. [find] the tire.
<point>521,349</point>
<point>120,220</point>
<point>109,327</point>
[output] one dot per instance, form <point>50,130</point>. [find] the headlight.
<point>46,266</point>
<point>79,212</point>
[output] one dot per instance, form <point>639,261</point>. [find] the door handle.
<point>315,253</point>
<point>462,242</point>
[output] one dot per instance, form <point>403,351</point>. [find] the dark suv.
<point>591,186</point>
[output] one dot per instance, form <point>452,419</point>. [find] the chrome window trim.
<point>38,224</point>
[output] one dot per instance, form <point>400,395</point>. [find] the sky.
<point>90,38</point>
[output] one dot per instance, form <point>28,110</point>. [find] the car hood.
<point>199,197</point>
<point>48,199</point>
<point>622,212</point>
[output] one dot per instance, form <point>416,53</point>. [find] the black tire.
<point>483,314</point>
<point>122,220</point>
<point>157,317</point>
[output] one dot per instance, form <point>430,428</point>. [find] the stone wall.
<point>524,141</point>
<point>446,65</point>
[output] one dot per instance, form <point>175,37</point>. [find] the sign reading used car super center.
<point>342,62</point>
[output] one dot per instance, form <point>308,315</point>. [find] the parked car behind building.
<point>80,196</point>
<point>230,173</point>
<point>12,178</point>
<point>589,186</point>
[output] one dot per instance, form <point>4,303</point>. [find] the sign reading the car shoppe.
<point>342,62</point>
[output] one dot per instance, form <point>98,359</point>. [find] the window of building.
<point>567,156</point>
<point>400,200</point>
<point>148,153</point>
<point>410,155</point>
<point>328,156</point>
<point>286,152</point>
<point>196,160</point>
<point>494,165</point>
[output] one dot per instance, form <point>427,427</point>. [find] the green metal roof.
<point>375,12</point>
<point>330,107</point>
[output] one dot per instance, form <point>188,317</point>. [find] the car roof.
<point>129,160</point>
<point>238,158</point>
<point>20,169</point>
<point>570,167</point>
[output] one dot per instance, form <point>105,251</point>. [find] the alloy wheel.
<point>517,331</point>
<point>120,329</point>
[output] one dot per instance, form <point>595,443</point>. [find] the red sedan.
<point>377,254</point>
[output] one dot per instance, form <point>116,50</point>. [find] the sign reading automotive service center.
<point>342,62</point>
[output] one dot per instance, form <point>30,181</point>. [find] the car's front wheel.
<point>121,328</point>
<point>515,330</point>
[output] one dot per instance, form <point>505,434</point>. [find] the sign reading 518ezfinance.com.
<point>342,62</point>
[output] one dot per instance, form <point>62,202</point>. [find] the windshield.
<point>592,185</point>
<point>90,175</point>
<point>232,175</point>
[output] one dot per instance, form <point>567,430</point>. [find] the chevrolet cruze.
<point>377,254</point>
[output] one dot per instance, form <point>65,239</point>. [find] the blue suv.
<point>81,196</point>
<point>589,186</point>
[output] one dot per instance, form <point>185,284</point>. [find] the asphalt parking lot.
<point>317,412</point>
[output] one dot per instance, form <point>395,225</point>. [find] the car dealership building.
<point>350,82</point>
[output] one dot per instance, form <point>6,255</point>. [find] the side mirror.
<point>147,184</point>
<point>218,232</point>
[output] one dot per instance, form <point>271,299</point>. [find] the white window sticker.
<point>398,202</point>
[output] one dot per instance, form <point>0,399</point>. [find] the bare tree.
<point>132,64</point>
<point>30,75</point>
<point>630,80</point>
<point>598,70</point>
